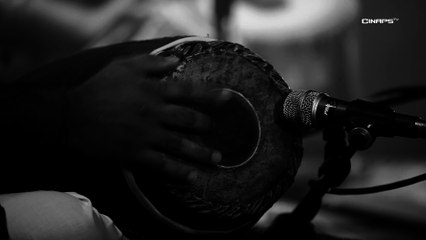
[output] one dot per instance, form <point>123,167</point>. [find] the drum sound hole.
<point>236,131</point>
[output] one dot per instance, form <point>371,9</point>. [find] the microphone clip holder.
<point>361,134</point>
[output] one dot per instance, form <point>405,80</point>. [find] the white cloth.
<point>48,215</point>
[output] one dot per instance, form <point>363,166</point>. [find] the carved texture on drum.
<point>226,198</point>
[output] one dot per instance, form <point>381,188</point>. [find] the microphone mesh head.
<point>298,107</point>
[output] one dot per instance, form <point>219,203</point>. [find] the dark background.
<point>388,56</point>
<point>393,56</point>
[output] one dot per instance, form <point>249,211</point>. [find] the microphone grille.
<point>298,106</point>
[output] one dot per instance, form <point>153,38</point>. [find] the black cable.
<point>399,95</point>
<point>379,188</point>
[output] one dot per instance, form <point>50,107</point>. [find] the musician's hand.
<point>124,113</point>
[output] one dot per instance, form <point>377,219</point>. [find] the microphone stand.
<point>341,143</point>
<point>333,171</point>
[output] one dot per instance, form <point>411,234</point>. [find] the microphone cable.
<point>378,188</point>
<point>399,95</point>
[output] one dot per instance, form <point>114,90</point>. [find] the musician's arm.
<point>37,109</point>
<point>32,108</point>
<point>41,93</point>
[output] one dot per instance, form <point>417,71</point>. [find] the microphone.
<point>312,109</point>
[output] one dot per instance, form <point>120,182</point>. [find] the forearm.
<point>32,133</point>
<point>34,109</point>
<point>34,106</point>
<point>31,115</point>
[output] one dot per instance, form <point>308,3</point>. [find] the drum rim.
<point>295,156</point>
<point>259,130</point>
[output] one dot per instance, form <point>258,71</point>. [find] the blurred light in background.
<point>307,41</point>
